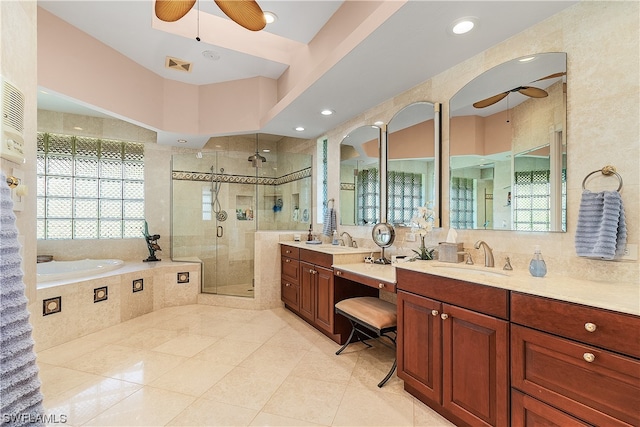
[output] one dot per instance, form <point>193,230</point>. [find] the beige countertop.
<point>386,273</point>
<point>621,297</point>
<point>331,249</point>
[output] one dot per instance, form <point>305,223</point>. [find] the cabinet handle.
<point>381,285</point>
<point>590,327</point>
<point>589,357</point>
<point>444,316</point>
<point>434,312</point>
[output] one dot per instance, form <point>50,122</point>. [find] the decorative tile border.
<point>100,294</point>
<point>51,306</point>
<point>347,186</point>
<point>241,179</point>
<point>138,285</point>
<point>183,277</point>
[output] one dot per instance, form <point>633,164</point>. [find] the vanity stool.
<point>369,315</point>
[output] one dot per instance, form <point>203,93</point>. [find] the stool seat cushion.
<point>373,311</point>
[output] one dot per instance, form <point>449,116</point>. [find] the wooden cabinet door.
<point>324,299</point>
<point>307,286</point>
<point>475,357</point>
<point>529,412</point>
<point>419,344</point>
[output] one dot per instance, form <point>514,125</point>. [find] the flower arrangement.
<point>423,225</point>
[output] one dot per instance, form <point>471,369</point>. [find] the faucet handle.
<point>469,259</point>
<point>507,266</point>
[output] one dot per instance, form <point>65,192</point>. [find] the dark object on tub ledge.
<point>152,244</point>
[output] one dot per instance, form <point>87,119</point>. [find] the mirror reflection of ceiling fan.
<point>530,91</point>
<point>246,13</point>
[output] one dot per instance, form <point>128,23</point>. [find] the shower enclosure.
<point>225,193</point>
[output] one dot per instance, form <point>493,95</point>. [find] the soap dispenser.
<point>537,266</point>
<point>335,237</point>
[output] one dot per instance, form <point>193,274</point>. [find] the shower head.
<point>257,160</point>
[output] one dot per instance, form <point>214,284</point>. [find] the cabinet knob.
<point>287,260</point>
<point>287,251</point>
<point>381,285</point>
<point>590,327</point>
<point>444,316</point>
<point>312,271</point>
<point>287,284</point>
<point>338,273</point>
<point>589,357</point>
<point>434,312</point>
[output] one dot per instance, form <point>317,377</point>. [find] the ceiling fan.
<point>530,91</point>
<point>246,13</point>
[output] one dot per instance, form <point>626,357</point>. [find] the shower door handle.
<point>220,231</point>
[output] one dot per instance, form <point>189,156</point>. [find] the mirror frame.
<point>518,78</point>
<point>437,152</point>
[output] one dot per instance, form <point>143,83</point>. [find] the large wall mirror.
<point>508,146</point>
<point>413,153</point>
<point>360,176</point>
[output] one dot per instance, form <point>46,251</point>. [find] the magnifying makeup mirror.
<point>383,235</point>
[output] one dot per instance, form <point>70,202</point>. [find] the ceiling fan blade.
<point>532,92</point>
<point>490,101</point>
<point>172,10</point>
<point>246,13</point>
<point>552,76</point>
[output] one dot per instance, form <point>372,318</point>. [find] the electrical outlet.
<point>411,237</point>
<point>631,253</point>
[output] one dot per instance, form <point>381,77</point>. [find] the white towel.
<point>20,397</point>
<point>601,231</point>
<point>330,222</point>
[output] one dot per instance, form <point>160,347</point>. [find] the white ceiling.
<point>410,47</point>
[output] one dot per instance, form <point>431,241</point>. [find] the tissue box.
<point>450,252</point>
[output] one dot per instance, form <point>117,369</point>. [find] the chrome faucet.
<point>488,254</point>
<point>352,243</point>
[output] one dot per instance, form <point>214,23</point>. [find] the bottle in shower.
<point>537,266</point>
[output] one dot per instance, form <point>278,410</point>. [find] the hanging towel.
<point>20,397</point>
<point>330,222</point>
<point>602,230</point>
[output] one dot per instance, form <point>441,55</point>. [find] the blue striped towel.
<point>330,222</point>
<point>601,231</point>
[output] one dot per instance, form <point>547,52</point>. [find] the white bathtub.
<point>61,270</point>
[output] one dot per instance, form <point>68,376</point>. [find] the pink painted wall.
<point>412,142</point>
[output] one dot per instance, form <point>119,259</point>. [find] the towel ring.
<point>607,170</point>
<point>330,201</point>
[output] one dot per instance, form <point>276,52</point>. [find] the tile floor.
<point>201,365</point>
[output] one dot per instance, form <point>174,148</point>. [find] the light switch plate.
<point>631,253</point>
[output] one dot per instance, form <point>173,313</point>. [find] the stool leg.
<point>353,331</point>
<point>393,368</point>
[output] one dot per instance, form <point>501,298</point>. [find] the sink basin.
<point>471,270</point>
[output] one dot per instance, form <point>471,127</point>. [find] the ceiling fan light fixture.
<point>270,17</point>
<point>463,25</point>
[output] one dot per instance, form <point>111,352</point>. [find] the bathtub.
<point>61,270</point>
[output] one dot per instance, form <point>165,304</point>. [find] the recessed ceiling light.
<point>182,141</point>
<point>326,112</point>
<point>270,17</point>
<point>266,150</point>
<point>463,25</point>
<point>77,128</point>
<point>299,128</point>
<point>378,123</point>
<point>527,59</point>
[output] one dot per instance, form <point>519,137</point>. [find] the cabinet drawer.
<point>529,412</point>
<point>290,269</point>
<point>602,391</point>
<point>614,331</point>
<point>369,281</point>
<point>290,251</point>
<point>317,258</point>
<point>485,299</point>
<point>290,294</point>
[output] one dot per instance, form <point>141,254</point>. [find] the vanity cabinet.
<point>574,360</point>
<point>453,347</point>
<point>308,289</point>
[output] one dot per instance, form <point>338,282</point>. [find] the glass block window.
<point>462,203</point>
<point>368,196</point>
<point>405,195</point>
<point>532,200</point>
<point>89,188</point>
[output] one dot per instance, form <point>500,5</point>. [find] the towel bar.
<point>607,170</point>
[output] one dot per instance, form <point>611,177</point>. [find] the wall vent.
<point>11,123</point>
<point>178,64</point>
